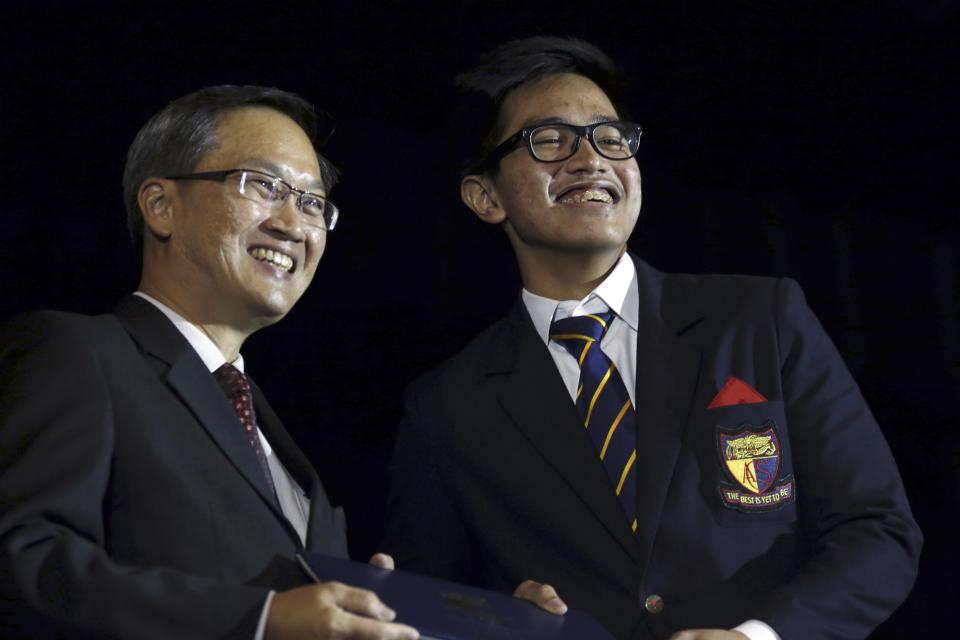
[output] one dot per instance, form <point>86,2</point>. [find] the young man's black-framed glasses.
<point>555,142</point>
<point>272,192</point>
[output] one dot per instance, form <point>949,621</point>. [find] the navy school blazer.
<point>494,479</point>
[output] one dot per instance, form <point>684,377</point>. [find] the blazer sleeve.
<point>57,428</point>
<point>424,531</point>
<point>864,544</point>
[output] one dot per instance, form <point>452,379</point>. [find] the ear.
<point>157,205</point>
<point>477,192</point>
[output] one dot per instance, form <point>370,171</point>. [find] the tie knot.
<point>232,380</point>
<point>580,329</point>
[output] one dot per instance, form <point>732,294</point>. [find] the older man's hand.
<point>335,611</point>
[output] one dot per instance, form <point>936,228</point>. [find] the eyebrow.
<point>268,167</point>
<point>594,118</point>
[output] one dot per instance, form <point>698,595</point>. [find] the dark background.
<point>812,140</point>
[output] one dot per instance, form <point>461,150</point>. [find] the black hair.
<point>515,63</point>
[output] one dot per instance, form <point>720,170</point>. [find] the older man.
<point>147,489</point>
<point>680,455</point>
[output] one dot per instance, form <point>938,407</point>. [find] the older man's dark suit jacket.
<point>131,503</point>
<point>495,481</point>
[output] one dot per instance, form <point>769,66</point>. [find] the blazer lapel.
<point>196,387</point>
<point>296,463</point>
<point>668,368</point>
<point>533,395</point>
<point>286,449</point>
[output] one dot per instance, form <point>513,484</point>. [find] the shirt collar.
<point>201,342</point>
<point>617,292</point>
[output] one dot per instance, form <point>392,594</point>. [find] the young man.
<point>147,489</point>
<point>682,456</point>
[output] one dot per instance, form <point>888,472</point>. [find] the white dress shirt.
<point>618,293</point>
<point>294,503</point>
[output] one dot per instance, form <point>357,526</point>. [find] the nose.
<point>286,219</point>
<point>586,159</point>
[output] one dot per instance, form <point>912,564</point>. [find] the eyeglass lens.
<point>273,192</point>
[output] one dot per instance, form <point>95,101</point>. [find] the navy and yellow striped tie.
<point>604,404</point>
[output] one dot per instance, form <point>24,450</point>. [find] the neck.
<point>215,325</point>
<point>565,275</point>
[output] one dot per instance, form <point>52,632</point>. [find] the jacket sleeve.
<point>57,430</point>
<point>424,531</point>
<point>863,542</point>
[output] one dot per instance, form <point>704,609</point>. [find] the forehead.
<point>262,138</point>
<point>568,97</point>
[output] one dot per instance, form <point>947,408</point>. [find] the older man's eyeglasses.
<point>272,192</point>
<point>556,142</point>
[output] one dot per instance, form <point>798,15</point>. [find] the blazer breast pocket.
<point>747,468</point>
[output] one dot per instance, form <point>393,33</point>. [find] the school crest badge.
<point>752,458</point>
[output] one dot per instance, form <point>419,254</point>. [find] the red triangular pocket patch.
<point>735,391</point>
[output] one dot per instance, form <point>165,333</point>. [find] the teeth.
<point>276,258</point>
<point>589,195</point>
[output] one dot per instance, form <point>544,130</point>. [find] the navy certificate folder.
<point>443,610</point>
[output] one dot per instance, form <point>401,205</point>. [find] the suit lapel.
<point>283,445</point>
<point>296,463</point>
<point>192,382</point>
<point>533,395</point>
<point>668,368</point>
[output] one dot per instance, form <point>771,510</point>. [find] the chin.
<point>272,309</point>
<point>597,242</point>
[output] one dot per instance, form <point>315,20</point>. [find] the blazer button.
<point>653,604</point>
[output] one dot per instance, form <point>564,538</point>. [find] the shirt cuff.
<point>754,630</point>
<point>262,624</point>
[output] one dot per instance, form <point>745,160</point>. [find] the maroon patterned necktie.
<point>237,387</point>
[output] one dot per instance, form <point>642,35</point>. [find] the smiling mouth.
<point>275,258</point>
<point>580,196</point>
